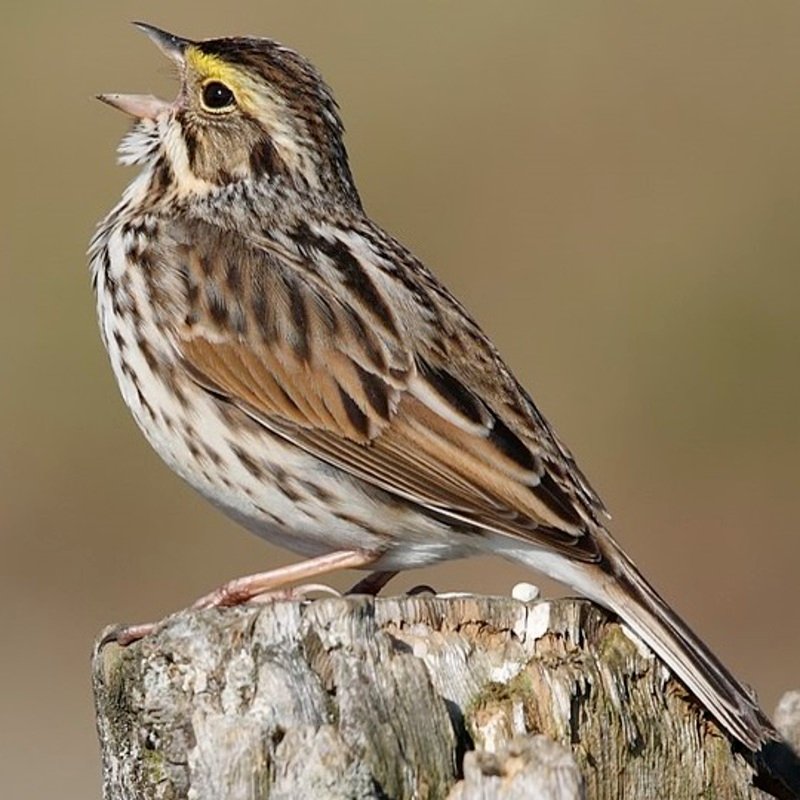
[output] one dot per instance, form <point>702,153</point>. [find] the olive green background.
<point>612,188</point>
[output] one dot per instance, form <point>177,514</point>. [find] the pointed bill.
<point>171,46</point>
<point>141,106</point>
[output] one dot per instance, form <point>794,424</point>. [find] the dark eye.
<point>217,96</point>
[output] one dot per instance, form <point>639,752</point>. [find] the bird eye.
<point>217,96</point>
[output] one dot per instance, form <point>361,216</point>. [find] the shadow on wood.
<point>365,697</point>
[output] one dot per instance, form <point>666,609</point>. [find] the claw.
<point>123,635</point>
<point>423,588</point>
<point>295,593</point>
<point>373,583</point>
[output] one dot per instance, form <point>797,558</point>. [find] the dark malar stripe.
<point>190,139</point>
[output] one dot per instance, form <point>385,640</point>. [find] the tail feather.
<point>776,764</point>
<point>642,608</point>
<point>617,584</point>
<point>777,770</point>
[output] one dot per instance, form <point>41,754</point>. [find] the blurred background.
<point>613,189</point>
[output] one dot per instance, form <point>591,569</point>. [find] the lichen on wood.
<point>361,697</point>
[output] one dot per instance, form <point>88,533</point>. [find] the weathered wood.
<point>383,698</point>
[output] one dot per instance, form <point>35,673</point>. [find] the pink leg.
<point>241,590</point>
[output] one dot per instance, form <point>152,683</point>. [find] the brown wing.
<point>345,380</point>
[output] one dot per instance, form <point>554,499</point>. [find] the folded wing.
<point>342,375</point>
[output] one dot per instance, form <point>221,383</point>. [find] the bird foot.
<point>295,593</point>
<point>123,635</point>
<point>263,587</point>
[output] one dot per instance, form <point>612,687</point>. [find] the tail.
<point>777,770</point>
<point>644,610</point>
<point>628,594</point>
<point>617,584</point>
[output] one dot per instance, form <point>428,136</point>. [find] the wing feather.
<point>376,402</point>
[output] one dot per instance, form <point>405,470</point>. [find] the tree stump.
<point>458,697</point>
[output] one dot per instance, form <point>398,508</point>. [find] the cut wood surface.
<point>457,697</point>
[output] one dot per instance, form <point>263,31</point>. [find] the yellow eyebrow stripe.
<point>208,67</point>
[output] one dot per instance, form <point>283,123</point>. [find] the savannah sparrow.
<point>308,375</point>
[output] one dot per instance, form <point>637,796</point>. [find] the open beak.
<point>141,106</point>
<point>146,106</point>
<point>172,46</point>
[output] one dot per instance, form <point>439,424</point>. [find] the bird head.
<point>248,109</point>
